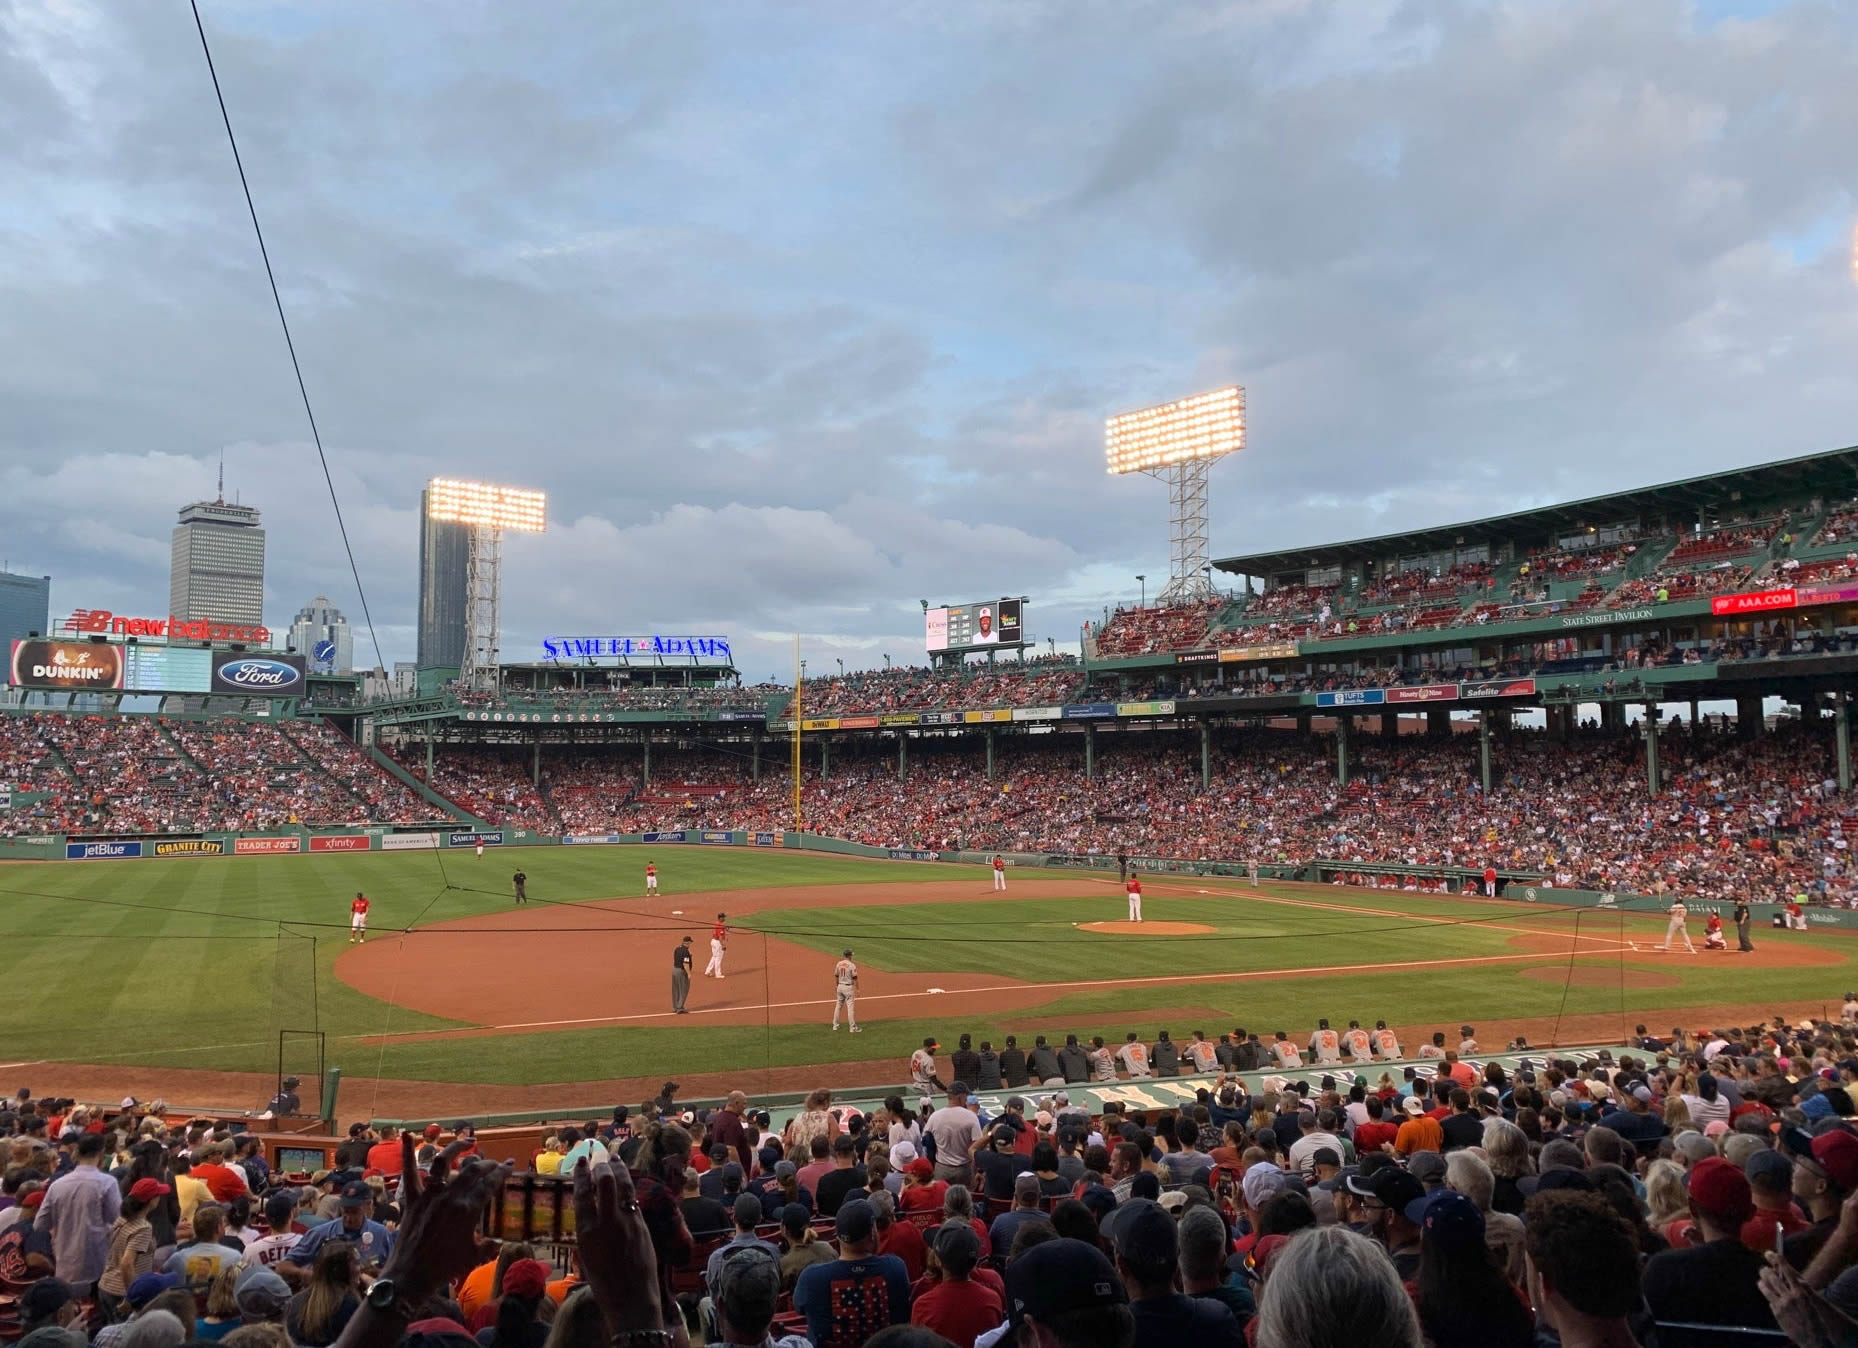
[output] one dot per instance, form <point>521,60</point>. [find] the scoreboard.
<point>167,669</point>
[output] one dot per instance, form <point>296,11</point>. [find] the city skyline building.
<point>217,563</point>
<point>25,607</point>
<point>321,634</point>
<point>444,560</point>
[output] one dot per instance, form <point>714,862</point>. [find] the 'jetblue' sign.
<point>630,648</point>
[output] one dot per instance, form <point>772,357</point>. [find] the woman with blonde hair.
<point>222,1307</point>
<point>1676,1112</point>
<point>579,1323</point>
<point>1668,1200</point>
<point>1506,1152</point>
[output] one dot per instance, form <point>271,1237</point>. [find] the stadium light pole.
<point>486,510</point>
<point>1144,582</point>
<point>1178,443</point>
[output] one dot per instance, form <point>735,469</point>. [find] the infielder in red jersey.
<point>651,878</point>
<point>358,919</point>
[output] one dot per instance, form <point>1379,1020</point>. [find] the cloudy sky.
<point>804,312</point>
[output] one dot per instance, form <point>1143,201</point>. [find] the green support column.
<point>990,753</point>
<point>648,760</point>
<point>428,753</point>
<point>1842,733</point>
<point>903,761</point>
<point>1651,746</point>
<point>1090,751</point>
<point>824,760</point>
<point>1206,755</point>
<point>1438,721</point>
<point>1341,749</point>
<point>754,759</point>
<point>535,772</point>
<point>1748,716</point>
<point>1483,748</point>
<point>1390,725</point>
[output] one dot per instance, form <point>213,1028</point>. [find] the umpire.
<point>680,976</point>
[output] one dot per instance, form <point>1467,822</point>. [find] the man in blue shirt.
<point>849,1299</point>
<point>373,1242</point>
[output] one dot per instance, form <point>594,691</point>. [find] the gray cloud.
<point>803,315</point>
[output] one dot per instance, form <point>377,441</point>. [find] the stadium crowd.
<point>1687,1187</point>
<point>149,774</point>
<point>1760,819</point>
<point>1041,681</point>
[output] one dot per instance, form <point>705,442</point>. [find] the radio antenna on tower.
<point>221,498</point>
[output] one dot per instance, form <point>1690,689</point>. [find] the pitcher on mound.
<point>1135,898</point>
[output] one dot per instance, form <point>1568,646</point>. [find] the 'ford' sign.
<point>101,851</point>
<point>275,675</point>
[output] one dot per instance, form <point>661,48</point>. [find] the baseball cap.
<point>1173,1201</point>
<point>787,1170</point>
<point>1414,1105</point>
<point>1100,1199</point>
<point>147,1190</point>
<point>1262,1183</point>
<point>357,1194</point>
<point>1060,1275</point>
<point>525,1278</point>
<point>857,1220</point>
<point>151,1285</point>
<point>1836,1153</point>
<point>46,1297</point>
<point>922,1168</point>
<point>1721,1190</point>
<point>1449,1218</point>
<point>261,1292</point>
<point>1768,1164</point>
<point>1144,1233</point>
<point>1428,1167</point>
<point>33,1199</point>
<point>1390,1186</point>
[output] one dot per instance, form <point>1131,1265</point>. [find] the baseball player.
<point>480,847</point>
<point>651,878</point>
<point>719,942</point>
<point>358,919</point>
<point>1356,1042</point>
<point>1676,926</point>
<point>845,980</point>
<point>1325,1043</point>
<point>1386,1043</point>
<point>1134,886</point>
<point>521,881</point>
<point>999,871</point>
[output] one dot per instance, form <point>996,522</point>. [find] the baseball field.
<point>175,977</point>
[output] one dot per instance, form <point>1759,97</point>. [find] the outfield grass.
<point>197,963</point>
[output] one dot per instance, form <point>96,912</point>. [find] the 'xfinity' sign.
<point>714,649</point>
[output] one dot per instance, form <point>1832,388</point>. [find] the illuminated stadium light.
<point>486,505</point>
<point>1178,441</point>
<point>1205,426</point>
<point>485,510</point>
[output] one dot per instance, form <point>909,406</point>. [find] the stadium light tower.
<point>486,510</point>
<point>1178,442</point>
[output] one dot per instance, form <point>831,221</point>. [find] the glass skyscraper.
<point>444,558</point>
<point>25,608</point>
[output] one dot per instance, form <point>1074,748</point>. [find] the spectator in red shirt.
<point>957,1307</point>
<point>221,1180</point>
<point>899,1238</point>
<point>1371,1135</point>
<point>384,1156</point>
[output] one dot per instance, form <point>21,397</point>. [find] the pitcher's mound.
<point>1146,928</point>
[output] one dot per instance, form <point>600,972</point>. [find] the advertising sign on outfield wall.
<point>190,847</point>
<point>261,846</point>
<point>766,839</point>
<point>340,842</point>
<point>1483,688</point>
<point>584,839</point>
<point>1164,707</point>
<point>714,835</point>
<point>1432,692</point>
<point>1037,713</point>
<point>676,835</point>
<point>409,842</point>
<point>1089,711</point>
<point>461,839</point>
<point>102,851</point>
